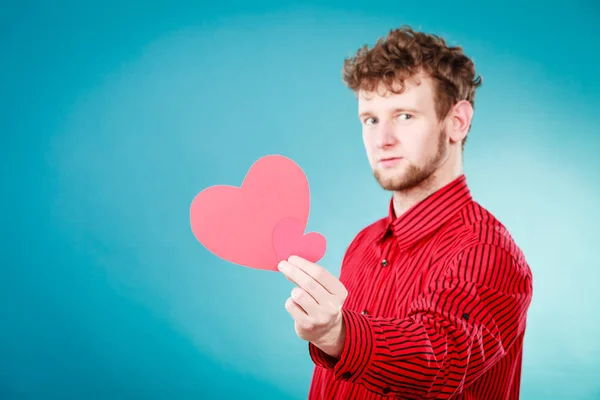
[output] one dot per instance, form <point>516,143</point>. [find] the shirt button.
<point>364,312</point>
<point>384,263</point>
<point>386,390</point>
<point>347,375</point>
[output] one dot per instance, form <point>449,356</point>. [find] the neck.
<point>405,199</point>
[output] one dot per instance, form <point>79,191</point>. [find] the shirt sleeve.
<point>456,330</point>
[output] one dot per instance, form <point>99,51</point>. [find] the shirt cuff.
<point>357,352</point>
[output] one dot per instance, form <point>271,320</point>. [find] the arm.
<point>456,330</point>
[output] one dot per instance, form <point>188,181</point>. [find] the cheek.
<point>369,147</point>
<point>417,144</point>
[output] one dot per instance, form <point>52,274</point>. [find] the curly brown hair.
<point>405,53</point>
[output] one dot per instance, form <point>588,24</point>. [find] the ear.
<point>459,120</point>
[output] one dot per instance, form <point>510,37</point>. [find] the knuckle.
<point>319,275</point>
<point>297,293</point>
<point>324,275</point>
<point>289,303</point>
<point>322,318</point>
<point>310,286</point>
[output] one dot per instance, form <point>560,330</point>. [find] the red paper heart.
<point>289,239</point>
<point>237,224</point>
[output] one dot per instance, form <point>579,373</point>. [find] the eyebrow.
<point>394,111</point>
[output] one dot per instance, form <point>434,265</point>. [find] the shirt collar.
<point>429,214</point>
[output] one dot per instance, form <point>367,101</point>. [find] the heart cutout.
<point>289,239</point>
<point>237,223</point>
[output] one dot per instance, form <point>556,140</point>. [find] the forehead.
<point>417,93</point>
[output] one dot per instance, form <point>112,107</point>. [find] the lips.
<point>389,162</point>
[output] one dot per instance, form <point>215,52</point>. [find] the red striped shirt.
<point>436,307</point>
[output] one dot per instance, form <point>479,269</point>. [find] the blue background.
<point>114,115</point>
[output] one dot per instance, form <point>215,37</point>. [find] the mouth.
<point>389,161</point>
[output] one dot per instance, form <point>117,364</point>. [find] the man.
<point>432,300</point>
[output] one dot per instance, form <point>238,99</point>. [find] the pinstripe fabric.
<point>436,307</point>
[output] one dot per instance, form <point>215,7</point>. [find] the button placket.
<point>385,264</point>
<point>386,251</point>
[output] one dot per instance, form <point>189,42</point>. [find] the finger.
<point>306,282</point>
<point>289,279</point>
<point>306,301</point>
<point>285,273</point>
<point>297,313</point>
<point>319,274</point>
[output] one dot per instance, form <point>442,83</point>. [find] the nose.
<point>385,136</point>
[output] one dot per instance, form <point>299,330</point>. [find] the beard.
<point>414,176</point>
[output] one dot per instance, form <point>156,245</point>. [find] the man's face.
<point>404,141</point>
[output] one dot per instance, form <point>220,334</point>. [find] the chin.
<point>401,179</point>
<point>395,173</point>
<point>391,181</point>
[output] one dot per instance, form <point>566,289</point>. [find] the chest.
<point>383,279</point>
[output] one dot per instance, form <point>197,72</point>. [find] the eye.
<point>370,120</point>
<point>404,116</point>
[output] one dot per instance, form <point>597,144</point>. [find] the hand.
<point>316,304</point>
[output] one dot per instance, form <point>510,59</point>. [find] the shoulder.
<point>475,227</point>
